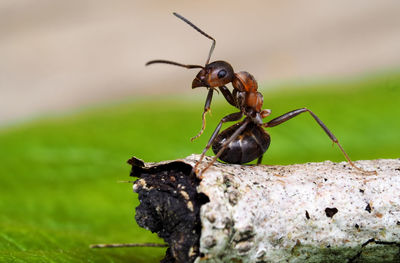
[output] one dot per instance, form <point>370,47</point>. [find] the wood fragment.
<point>313,212</point>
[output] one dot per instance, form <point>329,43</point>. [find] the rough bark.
<point>170,206</point>
<point>313,212</point>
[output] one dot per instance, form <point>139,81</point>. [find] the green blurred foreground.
<point>58,177</point>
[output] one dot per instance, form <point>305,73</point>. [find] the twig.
<point>127,245</point>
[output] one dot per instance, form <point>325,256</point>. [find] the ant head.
<point>215,74</point>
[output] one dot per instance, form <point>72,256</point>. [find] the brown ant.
<point>246,140</point>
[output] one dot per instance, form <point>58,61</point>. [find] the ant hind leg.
<point>289,115</point>
<point>259,160</point>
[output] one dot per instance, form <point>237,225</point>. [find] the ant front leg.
<point>287,116</point>
<point>231,117</point>
<point>206,109</point>
<point>228,96</point>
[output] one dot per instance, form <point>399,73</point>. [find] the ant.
<point>246,140</point>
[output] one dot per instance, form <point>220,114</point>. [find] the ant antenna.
<point>173,63</point>
<point>183,65</point>
<point>201,32</point>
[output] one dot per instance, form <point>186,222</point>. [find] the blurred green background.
<point>59,175</point>
<point>76,102</point>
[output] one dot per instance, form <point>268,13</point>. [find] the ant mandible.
<point>246,140</point>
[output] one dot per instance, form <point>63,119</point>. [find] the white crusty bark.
<point>313,212</point>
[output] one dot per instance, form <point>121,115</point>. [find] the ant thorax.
<point>244,81</point>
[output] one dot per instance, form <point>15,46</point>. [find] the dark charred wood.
<point>170,206</point>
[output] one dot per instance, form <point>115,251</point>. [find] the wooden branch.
<point>313,212</point>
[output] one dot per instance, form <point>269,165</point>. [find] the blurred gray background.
<point>60,55</point>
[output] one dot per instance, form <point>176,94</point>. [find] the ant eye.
<point>221,73</point>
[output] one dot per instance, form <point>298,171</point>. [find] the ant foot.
<point>197,136</point>
<point>203,125</point>
<point>197,173</point>
<point>367,173</point>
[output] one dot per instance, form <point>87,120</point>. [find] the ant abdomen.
<point>251,144</point>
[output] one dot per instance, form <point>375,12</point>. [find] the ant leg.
<point>226,143</point>
<point>259,160</point>
<point>231,117</point>
<point>264,113</point>
<point>228,95</point>
<point>206,109</point>
<point>289,115</point>
<point>235,97</point>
